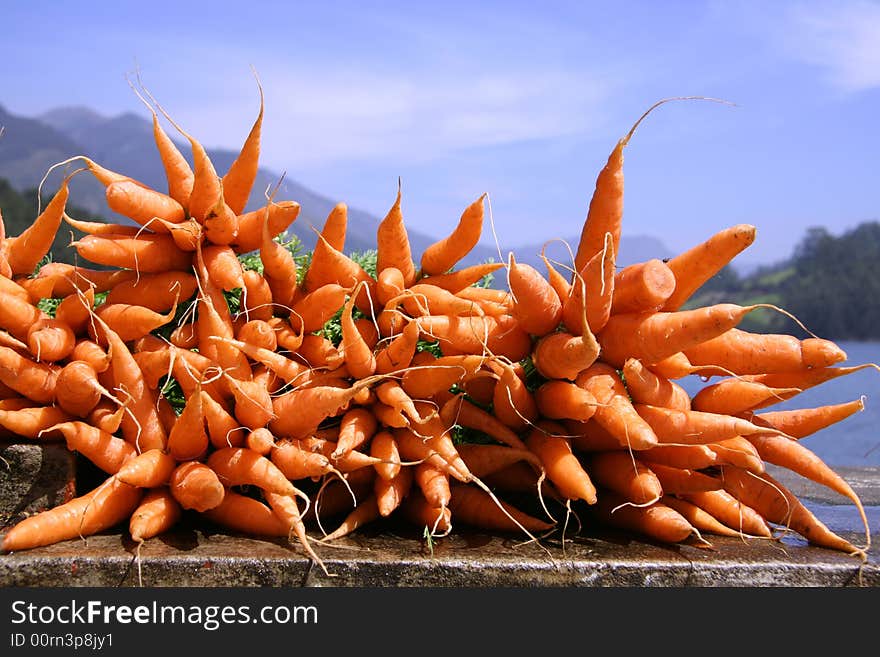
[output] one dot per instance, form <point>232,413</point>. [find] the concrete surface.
<point>44,476</point>
<point>391,555</point>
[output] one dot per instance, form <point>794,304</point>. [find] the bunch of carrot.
<point>564,384</point>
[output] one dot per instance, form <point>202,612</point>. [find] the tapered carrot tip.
<point>821,353</point>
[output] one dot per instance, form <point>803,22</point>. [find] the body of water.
<point>856,440</point>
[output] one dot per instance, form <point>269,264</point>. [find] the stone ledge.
<point>195,555</point>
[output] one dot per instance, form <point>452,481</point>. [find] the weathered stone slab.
<point>34,477</point>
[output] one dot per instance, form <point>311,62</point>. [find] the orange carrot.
<point>562,466</point>
<point>693,427</point>
<point>33,421</point>
<point>614,411</point>
<point>730,511</point>
<point>653,336</point>
<point>473,506</point>
<point>393,247</point>
<point>691,457</point>
<point>441,256</point>
<point>433,482</point>
<point>697,265</point>
<point>356,428</point>
<point>103,449</point>
<point>239,179</point>
<point>484,459</point>
<point>24,252</point>
<point>741,352</point>
<point>78,389</point>
<point>50,340</point>
<point>536,307</point>
<point>415,509</point>
<point>147,470</point>
<point>141,204</point>
<point>563,400</point>
<point>620,472</point>
<point>463,413</point>
<point>147,253</point>
<point>803,422</point>
<point>646,387</point>
<point>246,515</point>
<point>390,493</point>
<point>188,440</point>
<point>699,518</point>
<point>677,481</point>
<point>103,507</point>
<point>157,512</point>
<point>592,290</point>
<point>460,279</point>
<point>358,355</point>
<point>277,218</point>
<point>644,286</point>
<point>657,521</point>
<point>196,486</point>
<point>36,381</point>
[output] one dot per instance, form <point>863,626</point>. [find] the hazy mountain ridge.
<point>125,143</point>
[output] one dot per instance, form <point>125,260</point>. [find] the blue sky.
<point>520,100</point>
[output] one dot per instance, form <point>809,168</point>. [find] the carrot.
<point>50,340</point>
<point>677,481</point>
<point>100,228</point>
<point>141,425</point>
<point>415,509</point>
<point>657,521</point>
<point>806,378</point>
<point>157,292</point>
<point>697,265</point>
<point>589,300</point>
<point>75,311</point>
<point>196,486</point>
<point>730,511</point>
<point>276,217</point>
<point>389,284</point>
<point>223,429</point>
<point>614,411</point>
<point>285,508</point>
<point>779,505</point>
<point>392,244</point>
<point>67,279</point>
<point>653,336</point>
<point>247,515</point>
<point>644,286</point>
<point>690,457</point>
<point>433,482</point>
<point>424,381</point>
<point>425,299</point>
<point>147,470</point>
<point>390,493</point>
<point>564,400</point>
<point>313,310</point>
<point>512,402</point>
<point>646,387</point>
<point>434,445</point>
<point>559,282</point>
<point>24,252</point>
<point>101,508</point>
<point>33,421</point>
<point>619,472</point>
<point>458,280</point>
<point>358,355</point>
<point>536,307</point>
<point>699,518</point>
<point>146,253</point>
<point>734,396</point>
<point>399,352</point>
<point>484,459</point>
<point>563,468</point>
<point>300,411</point>
<point>383,447</point>
<point>441,256</point>
<point>36,381</point>
<point>92,353</point>
<point>239,179</point>
<point>106,416</point>
<point>802,422</point>
<point>356,428</point>
<point>794,456</point>
<point>78,389</point>
<point>253,402</point>
<point>741,352</point>
<point>318,353</point>
<point>590,436</point>
<point>141,204</point>
<point>260,441</point>
<point>21,315</point>
<point>474,506</point>
<point>738,451</point>
<point>236,466</point>
<point>103,449</point>
<point>365,512</point>
<point>257,301</point>
<point>156,513</point>
<point>693,427</point>
<point>132,322</point>
<point>463,413</point>
<point>328,265</point>
<point>188,440</point>
<point>259,333</point>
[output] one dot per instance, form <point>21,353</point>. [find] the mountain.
<point>125,143</point>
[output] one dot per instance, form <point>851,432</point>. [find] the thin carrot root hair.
<point>663,101</point>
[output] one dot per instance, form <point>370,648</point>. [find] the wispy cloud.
<point>353,115</point>
<point>843,38</point>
